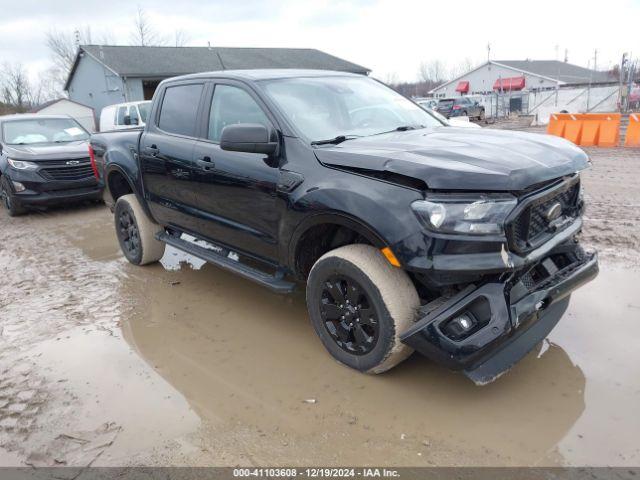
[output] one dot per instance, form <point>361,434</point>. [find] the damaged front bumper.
<point>484,330</point>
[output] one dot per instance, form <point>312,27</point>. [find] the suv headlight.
<point>470,214</point>
<point>22,165</point>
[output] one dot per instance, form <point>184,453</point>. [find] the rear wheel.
<point>136,232</point>
<point>481,116</point>
<point>8,198</point>
<point>359,305</point>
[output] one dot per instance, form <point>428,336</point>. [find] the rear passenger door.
<point>236,191</point>
<point>166,155</point>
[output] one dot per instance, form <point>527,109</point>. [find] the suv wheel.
<point>359,305</point>
<point>8,199</point>
<point>136,232</point>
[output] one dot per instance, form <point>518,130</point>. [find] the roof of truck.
<point>266,74</point>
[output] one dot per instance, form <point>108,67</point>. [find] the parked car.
<point>408,234</point>
<point>44,160</point>
<point>460,107</point>
<point>454,122</point>
<point>124,115</point>
<point>429,103</point>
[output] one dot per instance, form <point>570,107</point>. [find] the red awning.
<point>511,83</point>
<point>463,87</point>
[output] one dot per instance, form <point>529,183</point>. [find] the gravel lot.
<point>180,363</point>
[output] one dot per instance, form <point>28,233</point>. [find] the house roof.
<point>162,62</point>
<point>566,73</point>
<point>563,71</point>
<point>44,105</point>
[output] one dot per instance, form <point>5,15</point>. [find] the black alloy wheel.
<point>348,315</point>
<point>129,234</point>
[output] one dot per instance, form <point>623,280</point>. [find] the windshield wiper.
<point>334,140</point>
<point>402,128</point>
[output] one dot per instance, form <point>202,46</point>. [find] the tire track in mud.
<point>48,286</point>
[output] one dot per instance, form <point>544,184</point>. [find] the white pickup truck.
<point>124,115</point>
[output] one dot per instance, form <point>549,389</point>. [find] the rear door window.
<point>179,110</point>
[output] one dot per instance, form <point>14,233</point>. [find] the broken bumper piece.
<point>483,331</point>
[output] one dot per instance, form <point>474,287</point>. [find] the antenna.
<point>488,51</point>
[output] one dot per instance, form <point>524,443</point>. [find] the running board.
<point>274,282</point>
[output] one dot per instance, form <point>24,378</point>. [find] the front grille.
<point>67,169</point>
<point>532,227</point>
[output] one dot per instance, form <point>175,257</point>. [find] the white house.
<point>83,114</point>
<point>520,75</point>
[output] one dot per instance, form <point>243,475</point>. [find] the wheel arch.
<point>327,224</point>
<point>118,182</point>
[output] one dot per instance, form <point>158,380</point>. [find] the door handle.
<point>206,163</point>
<point>152,150</point>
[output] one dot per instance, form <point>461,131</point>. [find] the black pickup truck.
<point>409,234</point>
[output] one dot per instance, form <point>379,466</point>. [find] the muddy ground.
<point>181,363</point>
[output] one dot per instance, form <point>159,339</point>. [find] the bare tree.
<point>181,38</point>
<point>464,66</point>
<point>433,71</point>
<point>15,88</point>
<point>143,33</point>
<point>63,47</point>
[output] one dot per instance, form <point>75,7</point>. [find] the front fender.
<point>377,210</point>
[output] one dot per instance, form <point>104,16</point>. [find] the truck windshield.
<point>327,107</point>
<point>42,130</point>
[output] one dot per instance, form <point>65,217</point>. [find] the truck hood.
<point>48,151</point>
<point>460,158</point>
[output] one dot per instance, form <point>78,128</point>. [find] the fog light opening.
<point>18,187</point>
<point>460,326</point>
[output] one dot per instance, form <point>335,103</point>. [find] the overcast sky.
<point>389,37</point>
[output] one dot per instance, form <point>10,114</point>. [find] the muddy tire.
<point>359,305</point>
<point>136,232</point>
<point>8,199</point>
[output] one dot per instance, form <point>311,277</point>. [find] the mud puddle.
<point>186,364</point>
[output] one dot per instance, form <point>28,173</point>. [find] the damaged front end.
<point>485,329</point>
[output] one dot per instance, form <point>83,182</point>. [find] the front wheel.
<point>8,199</point>
<point>359,306</point>
<point>136,232</point>
<point>481,116</point>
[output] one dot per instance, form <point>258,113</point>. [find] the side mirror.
<point>249,138</point>
<point>127,120</point>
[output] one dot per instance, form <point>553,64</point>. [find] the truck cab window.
<point>133,115</point>
<point>179,109</point>
<point>122,112</point>
<point>231,105</point>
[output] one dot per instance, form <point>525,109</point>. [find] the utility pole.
<point>595,59</point>
<point>488,51</point>
<point>557,74</point>
<point>620,88</point>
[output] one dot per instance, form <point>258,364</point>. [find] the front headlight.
<point>470,214</point>
<point>21,164</point>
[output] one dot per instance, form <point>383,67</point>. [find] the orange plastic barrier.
<point>586,129</point>
<point>633,131</point>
